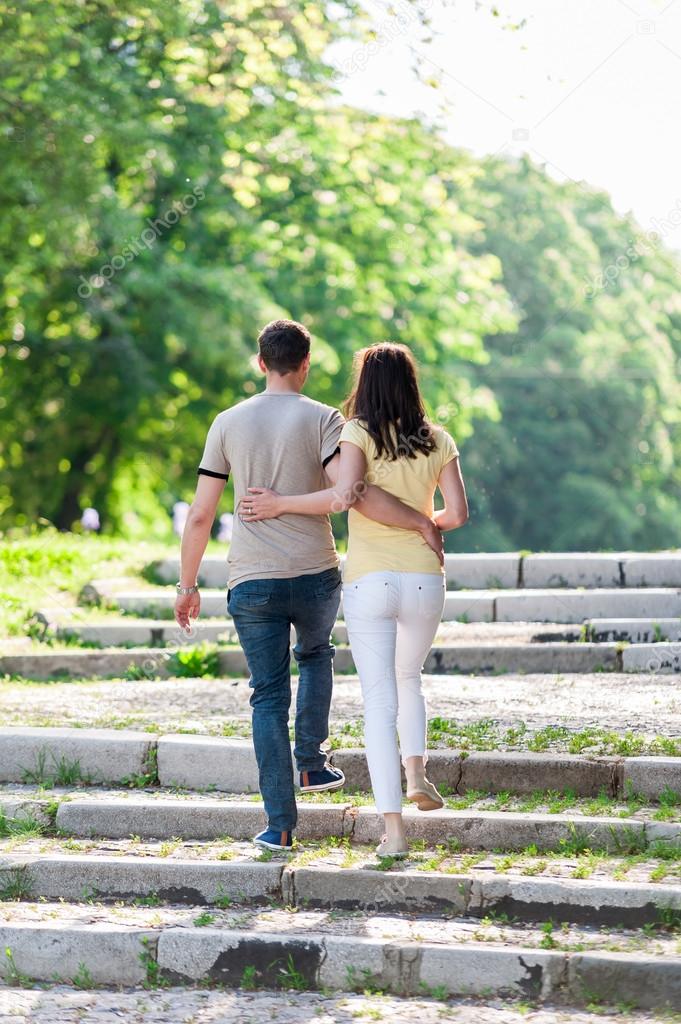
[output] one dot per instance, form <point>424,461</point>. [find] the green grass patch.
<point>49,567</point>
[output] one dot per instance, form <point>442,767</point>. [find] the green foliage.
<point>195,661</point>
<point>204,919</point>
<point>249,978</point>
<point>48,568</point>
<point>174,176</point>
<point>15,884</point>
<point>27,827</point>
<point>585,451</point>
<point>548,940</point>
<point>149,774</point>
<point>147,957</point>
<point>290,976</point>
<point>13,974</point>
<point>60,772</point>
<point>83,977</point>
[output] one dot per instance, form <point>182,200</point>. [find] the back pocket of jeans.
<point>327,585</point>
<point>251,594</point>
<point>432,597</point>
<point>367,598</point>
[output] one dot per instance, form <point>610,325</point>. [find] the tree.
<point>583,454</point>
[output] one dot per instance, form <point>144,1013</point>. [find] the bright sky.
<point>590,88</point>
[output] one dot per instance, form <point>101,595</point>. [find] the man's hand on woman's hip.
<point>432,535</point>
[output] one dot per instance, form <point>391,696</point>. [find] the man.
<point>282,572</point>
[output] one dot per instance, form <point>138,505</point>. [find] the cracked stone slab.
<point>474,970</point>
<point>587,902</point>
<point>172,881</point>
<point>335,961</point>
<point>646,982</point>
<point>373,891</point>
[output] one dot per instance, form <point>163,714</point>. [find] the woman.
<point>393,582</point>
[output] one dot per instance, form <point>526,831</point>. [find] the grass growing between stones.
<point>25,827</point>
<point>489,734</point>
<point>60,771</point>
<point>13,974</point>
<point>483,735</point>
<point>15,884</point>
<point>553,802</point>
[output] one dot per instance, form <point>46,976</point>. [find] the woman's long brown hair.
<point>386,398</point>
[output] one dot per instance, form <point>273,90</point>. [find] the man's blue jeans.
<point>264,611</point>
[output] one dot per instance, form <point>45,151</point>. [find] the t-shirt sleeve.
<point>214,460</point>
<point>331,432</point>
<point>448,449</point>
<point>353,431</point>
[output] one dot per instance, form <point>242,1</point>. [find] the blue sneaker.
<point>272,840</point>
<point>324,778</point>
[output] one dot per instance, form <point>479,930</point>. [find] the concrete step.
<point>112,631</point>
<point>95,756</point>
<point>315,950</point>
<point>161,662</point>
<point>572,606</point>
<point>142,632</point>
<point>466,570</point>
<point>601,569</point>
<point>512,569</point>
<point>528,605</point>
<point>162,817</point>
<point>62,756</point>
<point>635,631</point>
<point>403,888</point>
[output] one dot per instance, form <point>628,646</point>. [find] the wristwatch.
<point>186,590</point>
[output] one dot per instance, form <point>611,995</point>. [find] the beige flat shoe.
<point>392,848</point>
<point>425,796</point>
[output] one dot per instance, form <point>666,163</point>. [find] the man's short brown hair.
<point>283,344</point>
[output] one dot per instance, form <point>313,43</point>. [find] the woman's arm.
<point>263,503</point>
<point>455,512</point>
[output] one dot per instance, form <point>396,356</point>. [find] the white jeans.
<point>392,618</point>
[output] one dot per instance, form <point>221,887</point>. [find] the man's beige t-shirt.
<point>282,441</point>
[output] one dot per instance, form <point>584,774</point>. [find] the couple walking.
<point>293,461</point>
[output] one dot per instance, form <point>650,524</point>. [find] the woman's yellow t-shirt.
<point>374,547</point>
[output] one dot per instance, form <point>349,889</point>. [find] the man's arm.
<point>194,540</point>
<point>385,508</point>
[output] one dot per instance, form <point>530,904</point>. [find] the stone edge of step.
<point>67,877</point>
<point>227,764</point>
<point>482,830</point>
<point>515,568</point>
<point>528,658</point>
<point>132,955</point>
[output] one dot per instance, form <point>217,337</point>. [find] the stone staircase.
<point>579,613</point>
<point>551,877</point>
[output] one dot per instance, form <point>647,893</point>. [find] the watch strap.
<point>186,590</point>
